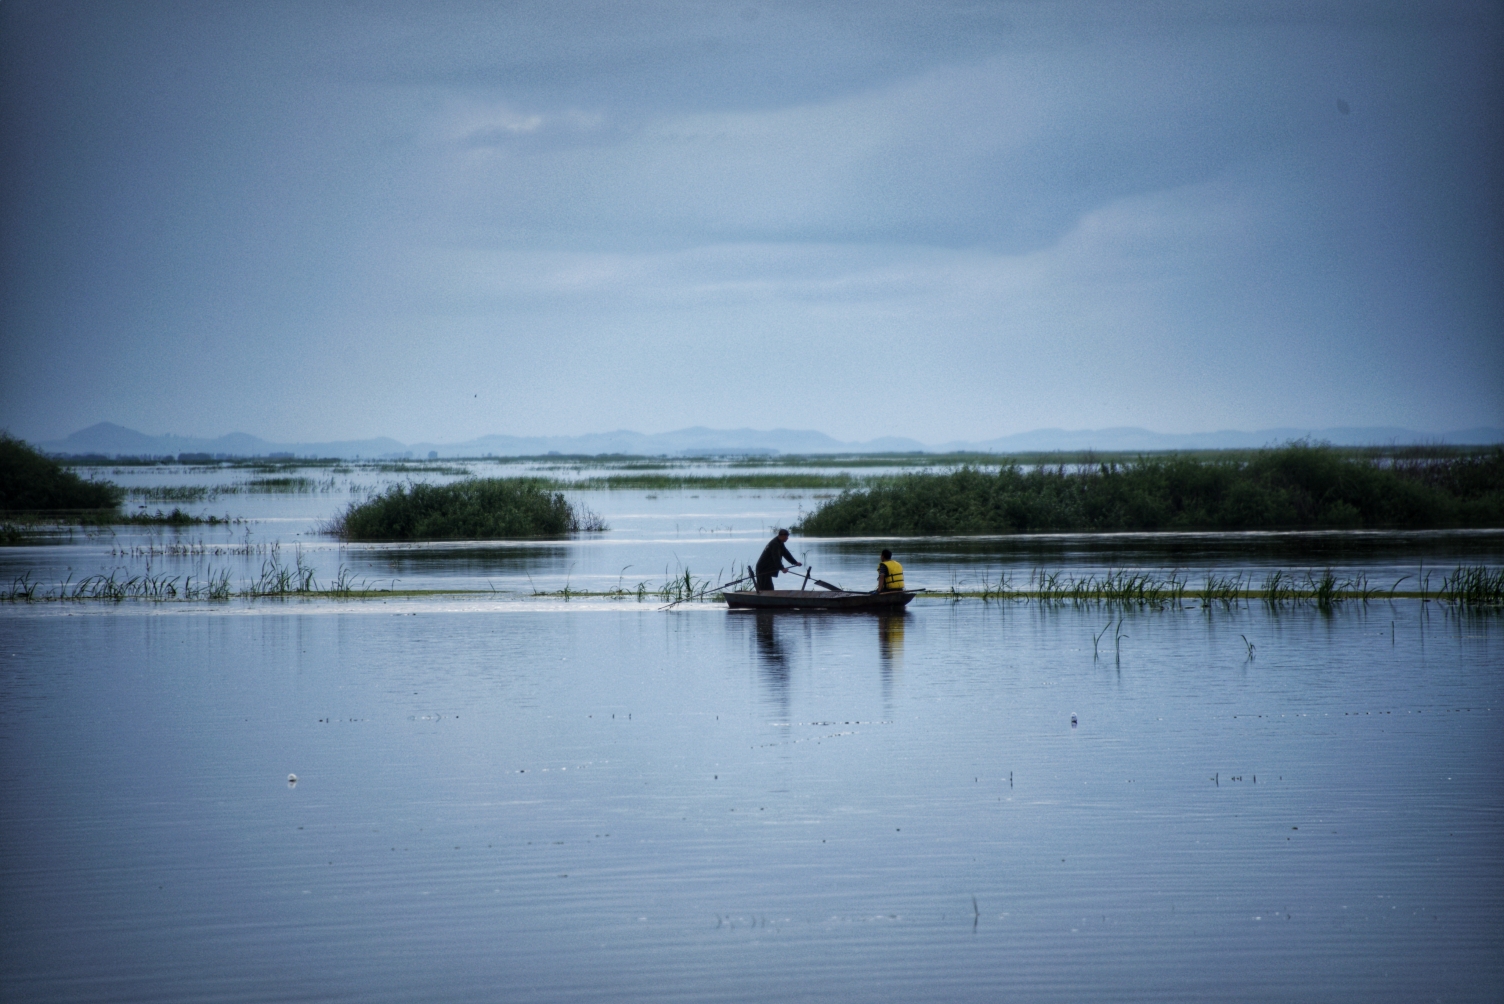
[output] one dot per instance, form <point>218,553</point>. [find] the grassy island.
<point>1297,486</point>
<point>473,509</point>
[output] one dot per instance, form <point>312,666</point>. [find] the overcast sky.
<point>433,221</point>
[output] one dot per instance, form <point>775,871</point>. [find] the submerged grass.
<point>473,509</point>
<point>1297,486</point>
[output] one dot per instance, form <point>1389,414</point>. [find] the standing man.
<point>772,559</point>
<point>889,574</point>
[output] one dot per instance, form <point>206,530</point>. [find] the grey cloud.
<point>1033,206</point>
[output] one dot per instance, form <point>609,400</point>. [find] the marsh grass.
<point>419,467</point>
<point>245,547</point>
<point>677,587</point>
<point>1474,585</point>
<point>285,485</point>
<point>175,493</point>
<point>473,509</point>
<point>275,580</point>
<point>291,485</point>
<point>1277,588</point>
<point>712,482</point>
<point>1467,585</point>
<point>175,518</point>
<point>25,528</point>
<point>1323,590</point>
<point>682,587</point>
<point>1297,486</point>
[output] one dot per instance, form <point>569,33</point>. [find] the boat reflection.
<point>890,652</point>
<point>782,639</point>
<point>890,638</point>
<point>772,661</point>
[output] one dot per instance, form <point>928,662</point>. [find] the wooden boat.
<point>817,599</point>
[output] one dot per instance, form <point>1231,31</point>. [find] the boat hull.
<point>810,599</point>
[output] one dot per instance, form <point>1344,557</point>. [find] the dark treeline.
<point>31,482</point>
<point>473,509</point>
<point>1297,486</point>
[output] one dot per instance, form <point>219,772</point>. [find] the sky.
<point>317,221</point>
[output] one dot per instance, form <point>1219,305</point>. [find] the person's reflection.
<point>771,660</point>
<point>890,651</point>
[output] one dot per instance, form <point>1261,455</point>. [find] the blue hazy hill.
<point>108,439</point>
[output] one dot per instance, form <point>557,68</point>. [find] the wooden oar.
<point>808,571</point>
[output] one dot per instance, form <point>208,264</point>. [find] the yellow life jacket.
<point>895,574</point>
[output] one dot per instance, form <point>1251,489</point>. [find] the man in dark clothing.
<point>771,562</point>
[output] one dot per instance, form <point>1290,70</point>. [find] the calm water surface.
<point>578,802</point>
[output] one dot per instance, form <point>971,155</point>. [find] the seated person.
<point>889,574</point>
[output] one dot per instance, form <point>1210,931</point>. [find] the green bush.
<point>473,509</point>
<point>1299,485</point>
<point>32,482</point>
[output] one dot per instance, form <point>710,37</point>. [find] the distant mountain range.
<point>1130,438</point>
<point>109,440</point>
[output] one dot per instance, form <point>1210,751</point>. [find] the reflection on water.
<point>773,667</point>
<point>559,804</point>
<point>890,638</point>
<point>890,651</point>
<point>771,630</point>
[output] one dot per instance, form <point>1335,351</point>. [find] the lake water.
<point>504,798</point>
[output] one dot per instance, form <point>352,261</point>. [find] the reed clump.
<point>1474,585</point>
<point>472,509</point>
<point>1297,486</point>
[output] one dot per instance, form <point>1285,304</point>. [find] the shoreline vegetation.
<point>1296,486</point>
<point>31,482</point>
<point>472,509</point>
<point>1471,586</point>
<point>38,493</point>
